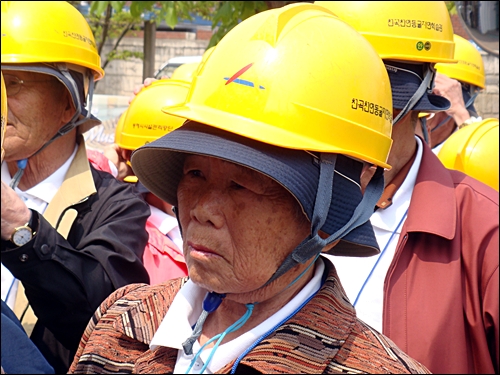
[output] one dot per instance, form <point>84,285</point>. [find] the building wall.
<point>123,76</point>
<point>486,102</point>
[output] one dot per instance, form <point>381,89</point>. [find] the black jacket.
<point>65,280</point>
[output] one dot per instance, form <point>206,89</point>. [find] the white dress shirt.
<point>166,224</point>
<point>354,272</point>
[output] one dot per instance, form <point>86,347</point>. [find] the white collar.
<point>389,218</point>
<point>186,308</point>
<point>46,189</point>
<point>161,220</point>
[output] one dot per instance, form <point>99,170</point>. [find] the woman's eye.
<point>237,186</point>
<point>194,173</point>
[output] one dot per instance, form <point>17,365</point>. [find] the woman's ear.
<point>68,109</point>
<point>327,248</point>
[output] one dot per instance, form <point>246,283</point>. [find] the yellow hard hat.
<point>474,151</point>
<point>410,36</point>
<point>143,122</point>
<point>341,117</point>
<point>131,179</point>
<point>47,32</point>
<point>185,72</point>
<point>206,54</point>
<point>282,97</point>
<point>418,31</point>
<point>4,116</point>
<point>469,67</point>
<point>53,37</point>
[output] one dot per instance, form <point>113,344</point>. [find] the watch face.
<point>22,236</point>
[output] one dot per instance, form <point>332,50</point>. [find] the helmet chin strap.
<point>65,129</point>
<point>75,94</point>
<point>425,132</point>
<point>426,84</point>
<point>314,244</point>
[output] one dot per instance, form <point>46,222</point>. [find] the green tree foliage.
<point>110,20</point>
<point>230,13</point>
<point>113,20</point>
<point>452,9</point>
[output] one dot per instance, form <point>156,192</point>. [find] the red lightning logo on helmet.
<point>239,73</point>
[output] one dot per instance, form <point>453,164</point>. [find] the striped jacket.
<point>324,337</point>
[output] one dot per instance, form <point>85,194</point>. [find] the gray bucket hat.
<point>159,167</point>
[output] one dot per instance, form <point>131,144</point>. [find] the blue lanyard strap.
<point>380,257</point>
<point>21,166</point>
<point>188,344</point>
<point>251,347</point>
<point>10,289</point>
<point>234,327</point>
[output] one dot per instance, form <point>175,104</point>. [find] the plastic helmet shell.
<point>474,151</point>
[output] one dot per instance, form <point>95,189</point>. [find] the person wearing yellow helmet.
<point>185,72</point>
<point>434,288</point>
<point>460,83</point>
<point>71,235</point>
<point>474,151</point>
<point>140,124</point>
<point>264,175</point>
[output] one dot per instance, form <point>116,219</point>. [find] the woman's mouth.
<point>200,251</point>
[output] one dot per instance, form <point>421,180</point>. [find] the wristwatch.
<point>469,121</point>
<point>23,234</point>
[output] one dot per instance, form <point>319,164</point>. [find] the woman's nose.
<point>208,209</point>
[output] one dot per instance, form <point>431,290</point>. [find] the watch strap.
<point>33,222</point>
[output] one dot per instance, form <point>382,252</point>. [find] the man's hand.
<point>119,158</point>
<point>14,212</point>
<point>147,82</point>
<point>451,89</point>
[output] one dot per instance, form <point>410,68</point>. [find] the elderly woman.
<point>265,176</point>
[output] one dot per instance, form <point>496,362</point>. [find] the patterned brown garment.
<point>323,337</point>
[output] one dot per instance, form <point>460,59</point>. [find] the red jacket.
<point>441,291</point>
<point>99,161</point>
<point>162,258</point>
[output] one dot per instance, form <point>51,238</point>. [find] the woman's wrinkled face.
<point>238,225</point>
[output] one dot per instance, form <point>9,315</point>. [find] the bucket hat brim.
<point>159,167</point>
<point>405,81</point>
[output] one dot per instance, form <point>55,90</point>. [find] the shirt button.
<point>44,249</point>
<point>23,257</point>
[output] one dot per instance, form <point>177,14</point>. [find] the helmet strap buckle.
<point>314,244</point>
<point>424,86</point>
